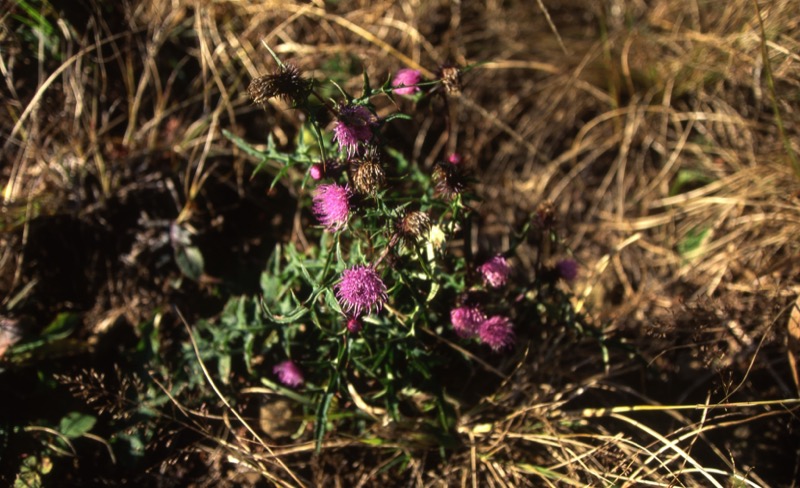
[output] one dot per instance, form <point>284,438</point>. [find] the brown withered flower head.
<point>413,227</point>
<point>451,79</point>
<point>545,214</point>
<point>367,174</point>
<point>448,180</point>
<point>286,83</point>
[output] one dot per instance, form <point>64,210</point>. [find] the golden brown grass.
<point>666,134</point>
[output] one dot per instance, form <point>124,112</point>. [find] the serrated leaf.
<point>75,424</point>
<point>289,318</point>
<point>243,145</point>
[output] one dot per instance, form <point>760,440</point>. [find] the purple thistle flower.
<point>332,205</point>
<point>567,269</point>
<point>288,373</point>
<point>404,79</point>
<point>354,126</point>
<point>466,320</point>
<point>496,332</point>
<point>359,290</point>
<point>316,171</point>
<point>495,271</point>
<point>354,325</point>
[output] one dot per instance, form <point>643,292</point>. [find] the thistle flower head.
<point>495,271</point>
<point>404,81</point>
<point>286,83</point>
<point>545,214</point>
<point>497,332</point>
<point>360,290</point>
<point>367,174</point>
<point>332,205</point>
<point>451,78</point>
<point>353,127</point>
<point>466,320</point>
<point>414,226</point>
<point>447,179</point>
<point>567,269</point>
<point>288,373</point>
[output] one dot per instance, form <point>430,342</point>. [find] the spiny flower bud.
<point>354,325</point>
<point>286,83</point>
<point>367,174</point>
<point>316,171</point>
<point>447,179</point>
<point>451,78</point>
<point>414,226</point>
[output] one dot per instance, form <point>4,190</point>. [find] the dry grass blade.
<point>244,423</point>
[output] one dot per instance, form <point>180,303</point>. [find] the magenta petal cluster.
<point>495,271</point>
<point>354,126</point>
<point>288,373</point>
<point>497,332</point>
<point>466,320</point>
<point>332,205</point>
<point>454,158</point>
<point>316,171</point>
<point>405,79</point>
<point>360,290</point>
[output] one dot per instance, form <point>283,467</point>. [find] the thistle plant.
<point>380,308</point>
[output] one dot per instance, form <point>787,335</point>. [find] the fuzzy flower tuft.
<point>466,320</point>
<point>405,79</point>
<point>496,332</point>
<point>360,290</point>
<point>454,158</point>
<point>495,271</point>
<point>567,269</point>
<point>288,373</point>
<point>332,205</point>
<point>353,127</point>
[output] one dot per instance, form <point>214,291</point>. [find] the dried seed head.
<point>286,83</point>
<point>451,78</point>
<point>414,226</point>
<point>367,174</point>
<point>545,215</point>
<point>447,179</point>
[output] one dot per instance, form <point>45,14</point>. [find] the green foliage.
<point>397,367</point>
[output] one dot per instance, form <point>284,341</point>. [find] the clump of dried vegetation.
<point>665,134</point>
